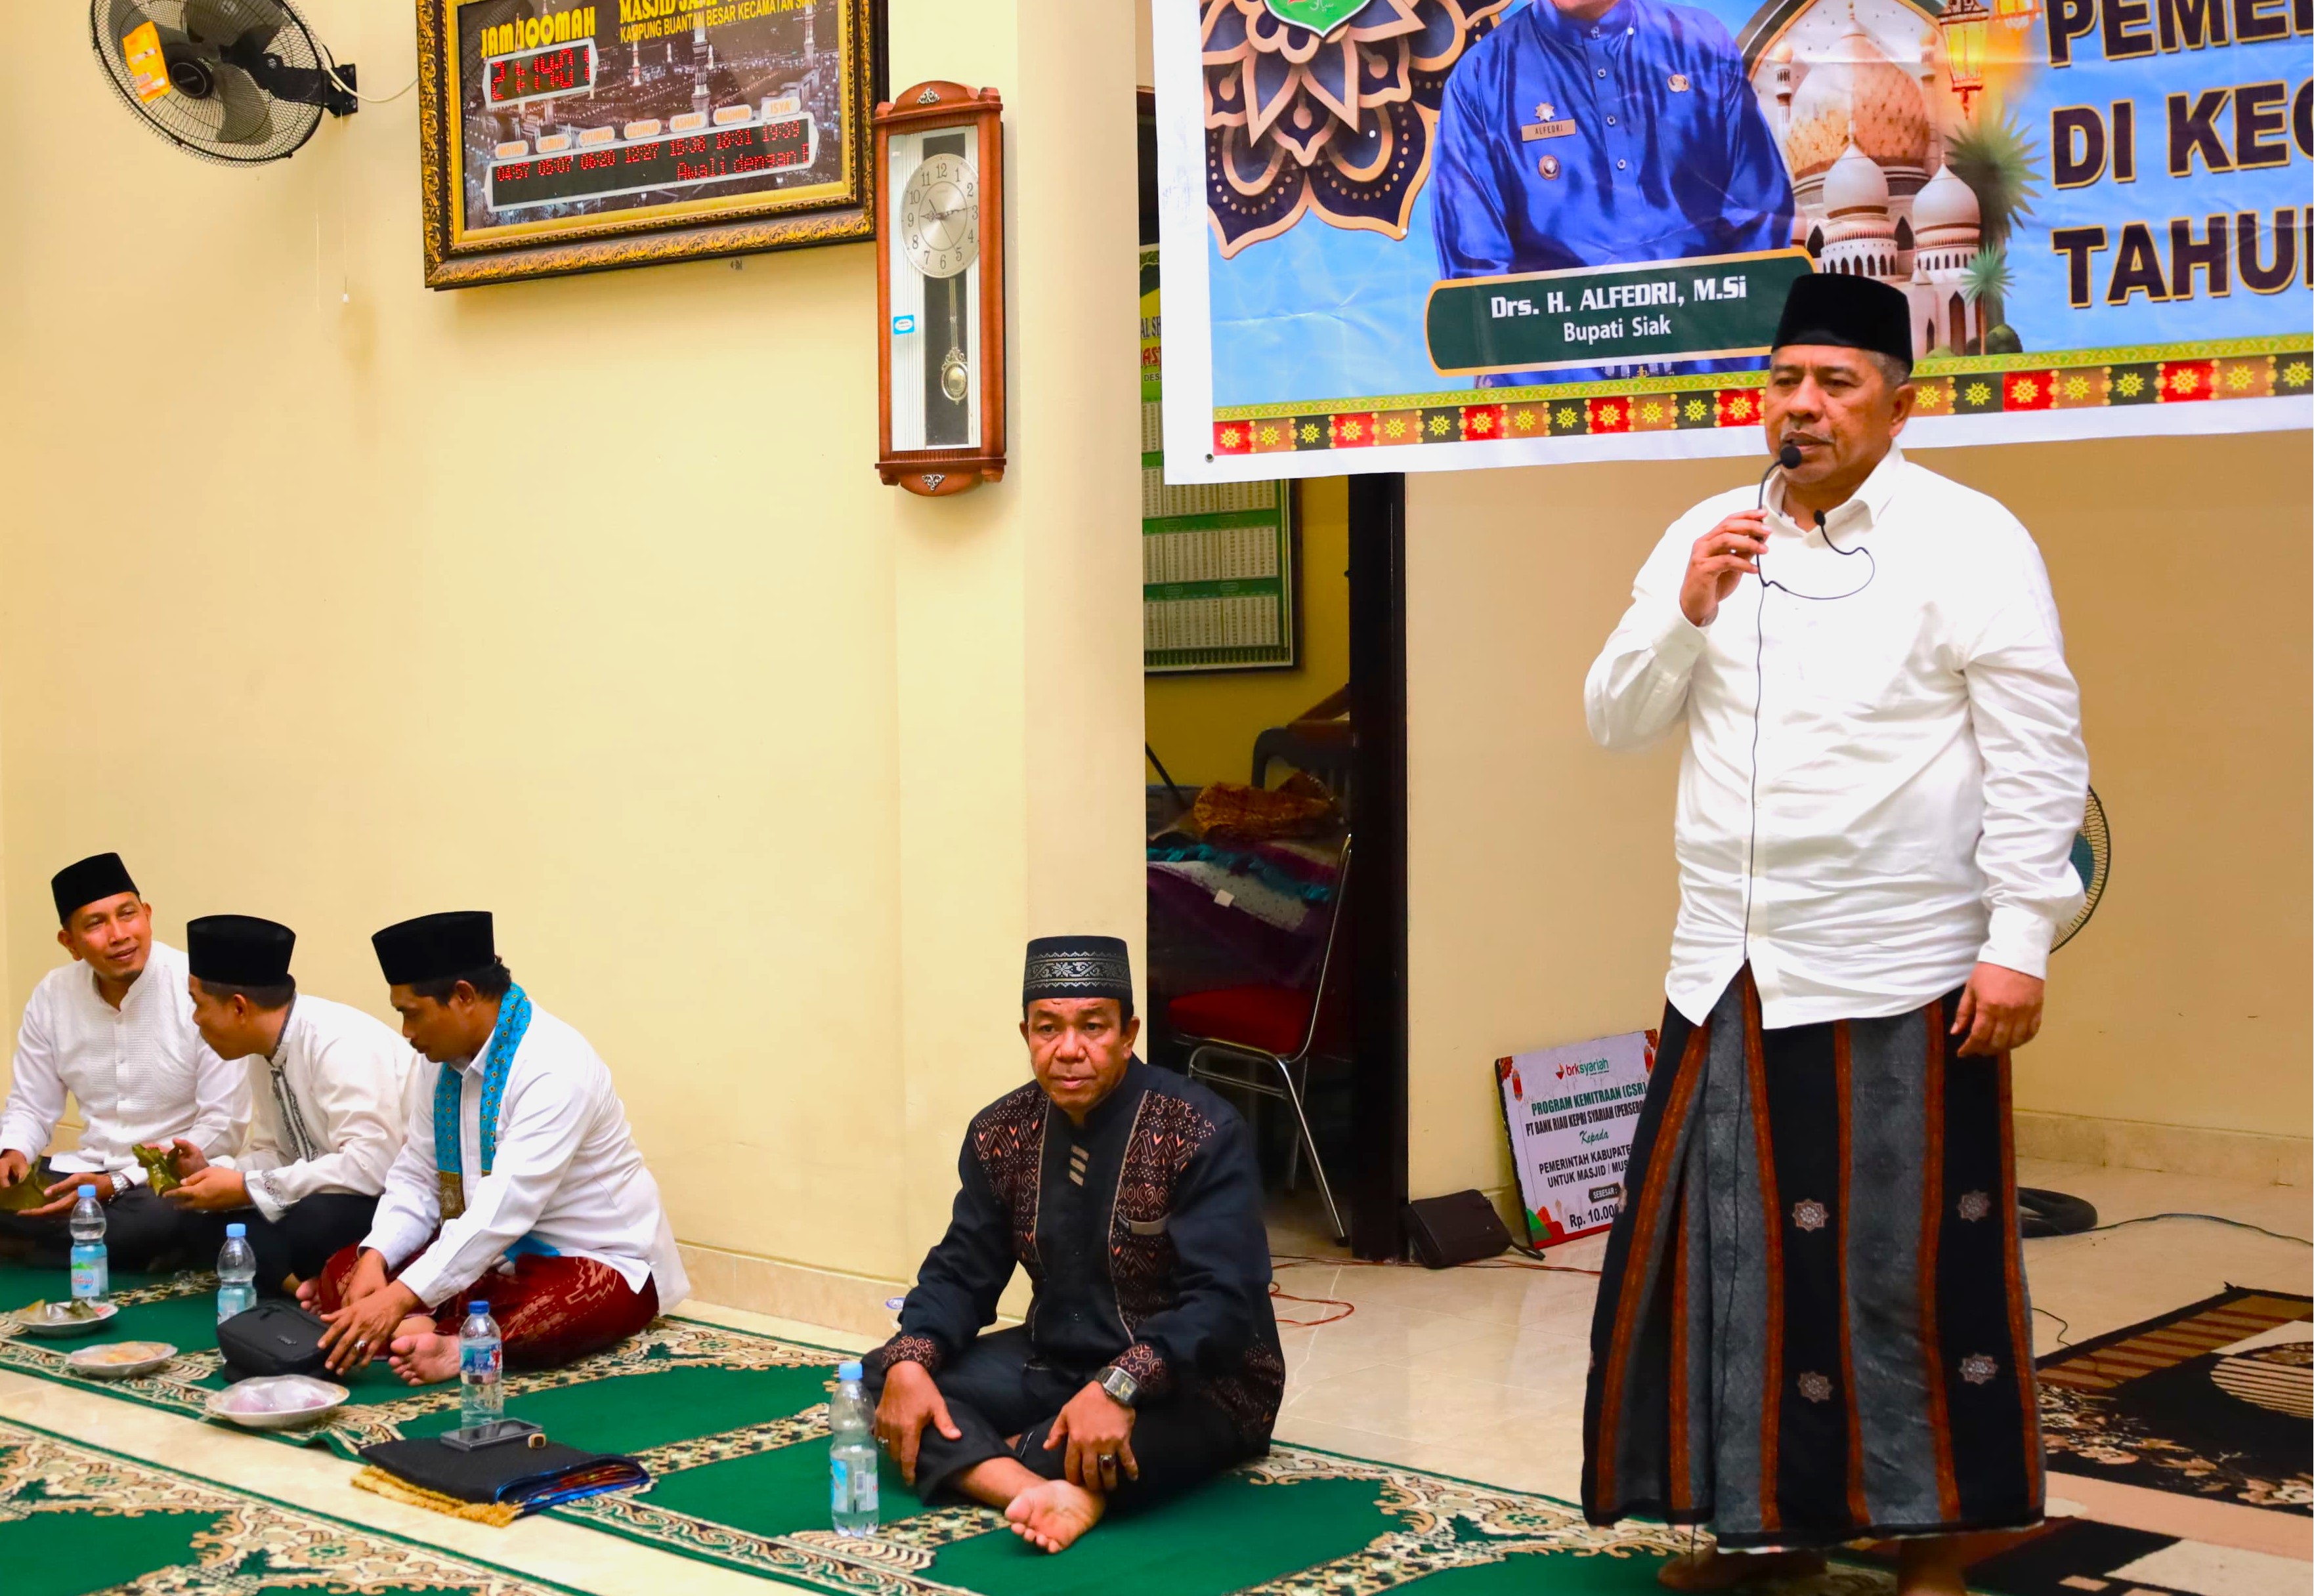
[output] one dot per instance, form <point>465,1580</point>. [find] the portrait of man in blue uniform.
<point>1594,132</point>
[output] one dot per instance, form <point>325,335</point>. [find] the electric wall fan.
<point>240,81</point>
<point>2092,859</point>
<point>2041,1211</point>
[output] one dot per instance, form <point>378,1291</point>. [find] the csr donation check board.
<point>1571,1112</point>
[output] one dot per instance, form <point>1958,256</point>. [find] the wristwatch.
<point>1121,1386</point>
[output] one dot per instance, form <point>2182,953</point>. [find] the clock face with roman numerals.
<point>939,216</point>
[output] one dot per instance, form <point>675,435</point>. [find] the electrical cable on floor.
<point>2215,1219</point>
<point>1295,1324</point>
<point>1290,1259</point>
<point>2064,1327</point>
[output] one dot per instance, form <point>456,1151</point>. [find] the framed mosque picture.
<point>558,136</point>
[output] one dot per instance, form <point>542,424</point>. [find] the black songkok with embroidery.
<point>90,880</point>
<point>1078,968</point>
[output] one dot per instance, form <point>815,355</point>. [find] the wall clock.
<point>939,288</point>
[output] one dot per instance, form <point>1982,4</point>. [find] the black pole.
<point>1378,916</point>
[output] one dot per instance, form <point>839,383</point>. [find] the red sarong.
<point>551,1310</point>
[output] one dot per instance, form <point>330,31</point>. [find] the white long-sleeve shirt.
<point>329,1106</point>
<point>140,1072</point>
<point>567,1174</point>
<point>1919,770</point>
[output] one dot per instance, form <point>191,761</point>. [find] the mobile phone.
<point>497,1433</point>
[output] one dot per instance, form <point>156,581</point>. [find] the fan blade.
<point>223,22</point>
<point>248,110</point>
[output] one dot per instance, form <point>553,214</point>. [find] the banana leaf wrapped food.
<point>27,1193</point>
<point>159,1170</point>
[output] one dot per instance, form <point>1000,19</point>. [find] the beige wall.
<point>1202,724</point>
<point>314,610</point>
<point>1540,868</point>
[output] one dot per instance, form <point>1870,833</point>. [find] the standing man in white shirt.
<point>114,1029</point>
<point>328,1085</point>
<point>519,1184</point>
<point>1813,1324</point>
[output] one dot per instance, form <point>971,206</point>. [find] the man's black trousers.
<point>141,1233</point>
<point>303,1239</point>
<point>1001,1387</point>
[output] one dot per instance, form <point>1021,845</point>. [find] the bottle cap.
<point>849,1370</point>
<point>88,1191</point>
<point>477,1306</point>
<point>235,1232</point>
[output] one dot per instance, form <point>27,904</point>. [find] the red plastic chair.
<point>1239,1036</point>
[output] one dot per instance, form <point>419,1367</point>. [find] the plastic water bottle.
<point>481,1368</point>
<point>236,1273</point>
<point>92,1277</point>
<point>852,1454</point>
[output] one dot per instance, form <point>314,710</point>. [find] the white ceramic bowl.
<point>278,1402</point>
<point>120,1359</point>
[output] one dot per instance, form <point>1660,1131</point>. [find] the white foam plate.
<point>276,1402</point>
<point>120,1359</point>
<point>31,1319</point>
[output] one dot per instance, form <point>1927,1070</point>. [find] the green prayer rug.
<point>733,1427</point>
<point>76,1519</point>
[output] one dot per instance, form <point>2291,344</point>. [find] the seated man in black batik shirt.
<point>1150,1358</point>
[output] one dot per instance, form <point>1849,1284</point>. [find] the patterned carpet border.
<point>259,1543</point>
<point>669,1343</point>
<point>1441,1524</point>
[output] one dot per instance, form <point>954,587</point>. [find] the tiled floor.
<point>1478,1371</point>
<point>1475,1371</point>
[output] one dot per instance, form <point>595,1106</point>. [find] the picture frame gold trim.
<point>753,224</point>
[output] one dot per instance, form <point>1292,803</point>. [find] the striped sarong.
<point>1812,1326</point>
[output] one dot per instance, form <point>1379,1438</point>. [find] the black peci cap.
<point>239,950</point>
<point>1847,313</point>
<point>98,877</point>
<point>1078,968</point>
<point>436,947</point>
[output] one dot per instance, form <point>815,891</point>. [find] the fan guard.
<point>2092,859</point>
<point>249,80</point>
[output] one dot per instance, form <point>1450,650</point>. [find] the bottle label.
<point>481,1363</point>
<point>88,1277</point>
<point>839,1483</point>
<point>864,1488</point>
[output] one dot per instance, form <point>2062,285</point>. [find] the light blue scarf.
<point>449,1159</point>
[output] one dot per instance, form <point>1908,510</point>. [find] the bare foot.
<point>1053,1515</point>
<point>425,1358</point>
<point>1715,1570</point>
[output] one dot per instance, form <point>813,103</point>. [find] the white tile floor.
<point>1475,1371</point>
<point>1478,1371</point>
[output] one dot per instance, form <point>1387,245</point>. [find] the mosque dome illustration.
<point>1860,122</point>
<point>1854,94</point>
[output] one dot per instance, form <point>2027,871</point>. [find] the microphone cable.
<point>1788,458</point>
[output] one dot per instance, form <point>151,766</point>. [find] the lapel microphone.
<point>1788,458</point>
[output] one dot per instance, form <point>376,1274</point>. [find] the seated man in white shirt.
<point>519,1186</point>
<point>114,1029</point>
<point>328,1110</point>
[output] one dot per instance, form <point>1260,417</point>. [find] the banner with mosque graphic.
<point>1453,234</point>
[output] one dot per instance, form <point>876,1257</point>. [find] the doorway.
<point>1273,645</point>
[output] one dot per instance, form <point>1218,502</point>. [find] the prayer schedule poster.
<point>1443,235</point>
<point>1571,1112</point>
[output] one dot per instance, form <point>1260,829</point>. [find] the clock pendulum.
<point>954,377</point>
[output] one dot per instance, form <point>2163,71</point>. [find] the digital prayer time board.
<point>641,165</point>
<point>539,74</point>
<point>575,134</point>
